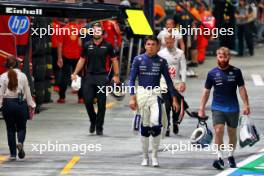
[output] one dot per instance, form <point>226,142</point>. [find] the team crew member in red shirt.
<point>95,53</point>
<point>69,52</point>
<point>112,33</point>
<point>54,53</point>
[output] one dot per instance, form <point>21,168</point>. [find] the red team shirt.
<point>71,48</point>
<point>112,33</point>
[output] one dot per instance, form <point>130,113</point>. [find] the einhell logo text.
<point>23,11</point>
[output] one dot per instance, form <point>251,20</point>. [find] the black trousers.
<point>168,106</point>
<point>91,90</point>
<point>15,115</point>
<point>245,31</point>
<point>55,67</point>
<point>67,68</point>
<point>228,41</point>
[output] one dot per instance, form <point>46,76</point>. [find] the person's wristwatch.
<point>116,74</point>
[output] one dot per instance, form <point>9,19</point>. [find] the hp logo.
<point>18,25</point>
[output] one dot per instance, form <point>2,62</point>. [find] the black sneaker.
<point>232,162</point>
<point>175,129</point>
<point>21,153</point>
<point>167,133</point>
<point>99,132</point>
<point>219,164</point>
<point>192,64</point>
<point>92,128</point>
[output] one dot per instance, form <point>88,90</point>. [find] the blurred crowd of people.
<point>246,18</point>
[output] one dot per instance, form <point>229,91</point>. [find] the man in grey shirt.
<point>245,27</point>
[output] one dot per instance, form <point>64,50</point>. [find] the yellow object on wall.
<point>138,22</point>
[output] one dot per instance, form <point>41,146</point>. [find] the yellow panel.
<point>138,22</point>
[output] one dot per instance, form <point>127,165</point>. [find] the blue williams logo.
<point>18,25</point>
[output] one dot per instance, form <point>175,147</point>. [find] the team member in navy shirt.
<point>148,67</point>
<point>225,107</point>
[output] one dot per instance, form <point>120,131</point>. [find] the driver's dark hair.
<point>153,38</point>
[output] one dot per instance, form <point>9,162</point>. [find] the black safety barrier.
<point>39,68</point>
<point>39,92</point>
<point>48,91</point>
<point>40,44</point>
<point>49,71</point>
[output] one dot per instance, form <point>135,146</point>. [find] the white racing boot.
<point>145,147</point>
<point>155,148</point>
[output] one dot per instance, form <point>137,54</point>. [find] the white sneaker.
<point>155,162</point>
<point>12,158</point>
<point>145,162</point>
